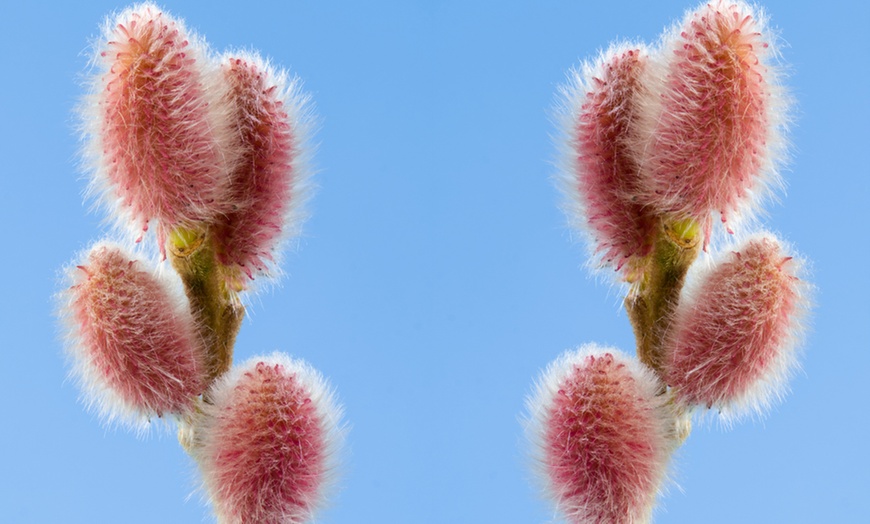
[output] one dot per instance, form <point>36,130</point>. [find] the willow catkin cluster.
<point>688,129</point>
<point>657,142</point>
<point>187,140</point>
<point>210,150</point>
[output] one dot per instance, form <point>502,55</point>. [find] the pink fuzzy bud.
<point>709,136</point>
<point>734,332</point>
<point>602,435</point>
<point>602,176</point>
<point>266,442</point>
<point>267,183</point>
<point>133,337</point>
<point>160,139</point>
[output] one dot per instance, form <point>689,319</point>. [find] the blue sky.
<point>436,276</point>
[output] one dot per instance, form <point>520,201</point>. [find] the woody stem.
<point>651,302</point>
<point>217,309</point>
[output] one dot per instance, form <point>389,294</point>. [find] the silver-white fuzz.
<point>572,95</point>
<point>303,123</point>
<point>322,396</point>
<point>773,386</point>
<point>778,106</point>
<point>89,111</point>
<point>537,419</point>
<point>94,392</point>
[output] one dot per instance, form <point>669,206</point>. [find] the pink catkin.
<point>733,335</point>
<point>135,343</point>
<point>162,140</point>
<point>265,444</point>
<point>602,436</point>
<point>710,132</point>
<point>266,178</point>
<point>605,172</point>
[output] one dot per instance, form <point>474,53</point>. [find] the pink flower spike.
<point>601,174</point>
<point>733,337</point>
<point>602,435</point>
<point>161,146</point>
<point>266,444</point>
<point>133,339</point>
<point>268,183</point>
<point>710,132</point>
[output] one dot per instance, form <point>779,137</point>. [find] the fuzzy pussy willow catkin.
<point>160,139</point>
<point>267,442</point>
<point>133,338</point>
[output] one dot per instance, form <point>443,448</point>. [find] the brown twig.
<point>651,302</point>
<point>217,309</point>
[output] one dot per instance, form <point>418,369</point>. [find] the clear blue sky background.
<point>436,276</point>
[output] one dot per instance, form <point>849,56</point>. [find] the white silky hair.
<point>97,396</point>
<point>303,124</point>
<point>768,183</point>
<point>536,418</point>
<point>323,398</point>
<point>773,386</point>
<point>100,191</point>
<point>570,99</point>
